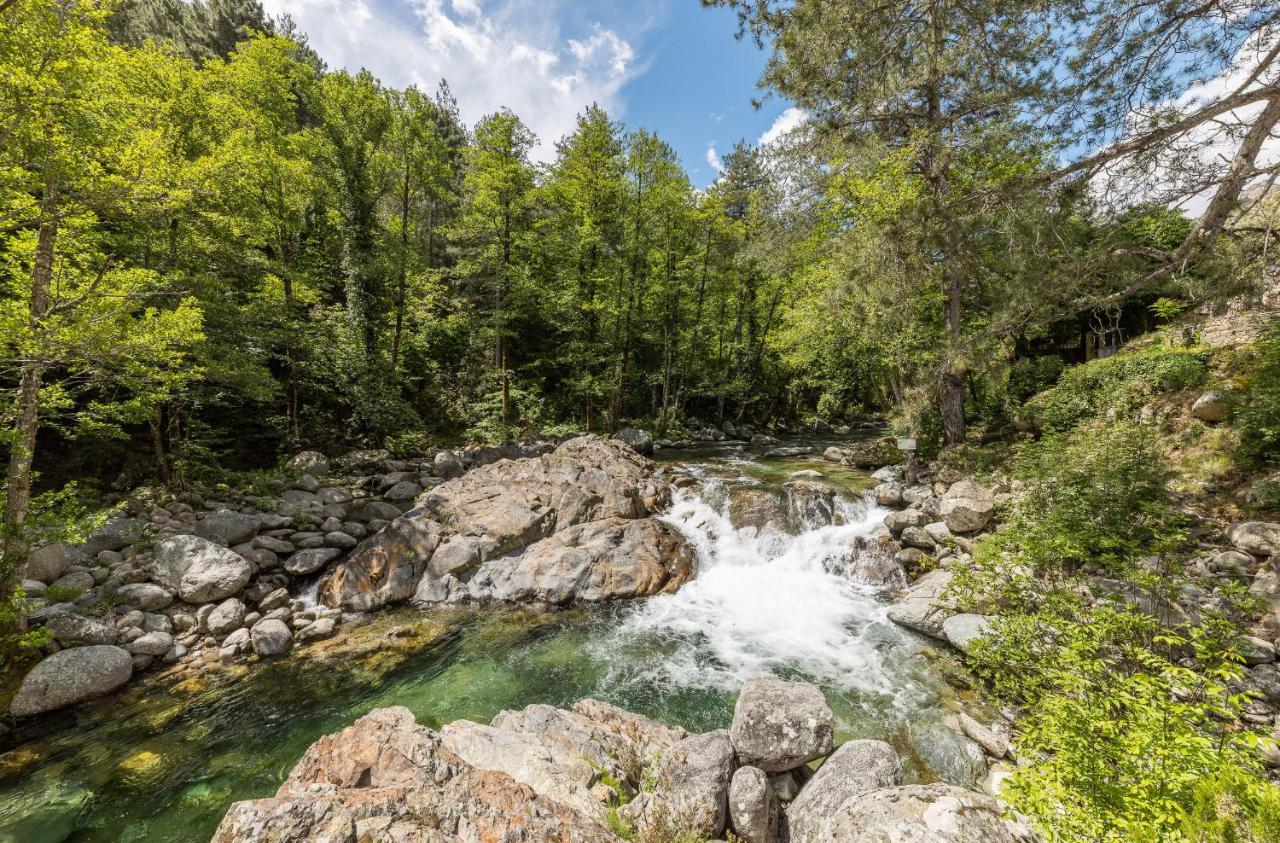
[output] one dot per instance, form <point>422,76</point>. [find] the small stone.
<point>151,644</point>
<point>271,638</point>
<point>309,561</point>
<point>992,742</point>
<point>226,617</point>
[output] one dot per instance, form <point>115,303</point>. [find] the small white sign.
<point>906,444</point>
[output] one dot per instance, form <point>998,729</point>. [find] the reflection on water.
<point>161,763</point>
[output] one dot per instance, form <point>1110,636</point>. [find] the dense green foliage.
<point>1258,410</point>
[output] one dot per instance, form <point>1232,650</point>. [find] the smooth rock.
<point>148,597</point>
<point>199,570</point>
<point>271,637</point>
<point>967,507</point>
<point>227,527</point>
<point>963,629</point>
<point>1212,407</point>
<point>151,644</point>
<point>48,563</point>
<point>641,441</point>
<point>71,676</point>
<point>993,743</point>
<point>923,608</point>
<point>226,617</point>
<point>309,561</point>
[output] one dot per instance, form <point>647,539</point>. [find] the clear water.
<point>162,763</point>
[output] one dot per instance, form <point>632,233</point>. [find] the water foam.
<point>764,601</point>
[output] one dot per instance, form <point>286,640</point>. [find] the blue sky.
<point>667,65</point>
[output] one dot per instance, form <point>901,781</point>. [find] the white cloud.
<point>494,53</point>
<point>787,120</point>
<point>713,158</point>
<point>1202,154</point>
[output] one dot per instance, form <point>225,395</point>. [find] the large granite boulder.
<point>74,630</point>
<point>386,778</point>
<point>497,531</point>
<point>49,562</point>
<point>308,462</point>
<point>199,570</point>
<point>592,562</point>
<point>779,725</point>
<point>71,676</point>
<point>855,768</point>
<point>228,527</point>
<point>967,507</point>
<point>929,813</point>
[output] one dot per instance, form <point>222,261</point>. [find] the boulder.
<point>963,629</point>
<point>1260,538</point>
<point>899,521</point>
<point>117,534</point>
<point>151,644</point>
<point>812,503</point>
<point>753,806</point>
<point>952,756</point>
<point>779,725</point>
<point>308,462</point>
<point>639,440</point>
<point>923,608</point>
<point>405,490</point>
<point>317,629</point>
<point>72,676</point>
<point>447,465</point>
<point>73,630</point>
<point>993,742</point>
<point>690,788</point>
<point>788,451</point>
<point>855,768</point>
<point>930,813</point>
<point>613,559</point>
<point>226,617</point>
<point>48,563</point>
<point>311,560</point>
<point>199,570</point>
<point>967,507</point>
<point>146,596</point>
<point>1212,406</point>
<point>271,637</point>
<point>385,568</point>
<point>225,526</point>
<point>386,778</point>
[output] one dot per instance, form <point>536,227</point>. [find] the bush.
<point>1097,495</point>
<point>1258,415</point>
<point>1031,376</point>
<point>1116,385</point>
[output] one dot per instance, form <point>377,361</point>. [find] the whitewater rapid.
<point>771,600</point>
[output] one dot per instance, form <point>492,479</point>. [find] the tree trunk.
<point>951,395</point>
<point>27,405</point>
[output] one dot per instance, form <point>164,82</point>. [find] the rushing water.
<point>162,763</point>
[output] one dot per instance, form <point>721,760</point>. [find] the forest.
<point>217,251</point>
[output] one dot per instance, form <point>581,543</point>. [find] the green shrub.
<point>1030,376</point>
<point>1097,496</point>
<point>1117,385</point>
<point>1257,415</point>
<point>62,593</point>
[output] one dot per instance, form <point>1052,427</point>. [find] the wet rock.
<point>199,570</point>
<point>788,451</point>
<point>812,503</point>
<point>855,768</point>
<point>72,676</point>
<point>925,813</point>
<point>271,637</point>
<point>639,440</point>
<point>753,807</point>
<point>967,507</point>
<point>952,756</point>
<point>779,725</point>
<point>750,506</point>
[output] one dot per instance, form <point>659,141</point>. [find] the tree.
<point>496,224</point>
<point>78,147</point>
<point>921,80</point>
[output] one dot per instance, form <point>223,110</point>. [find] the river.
<point>162,763</point>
